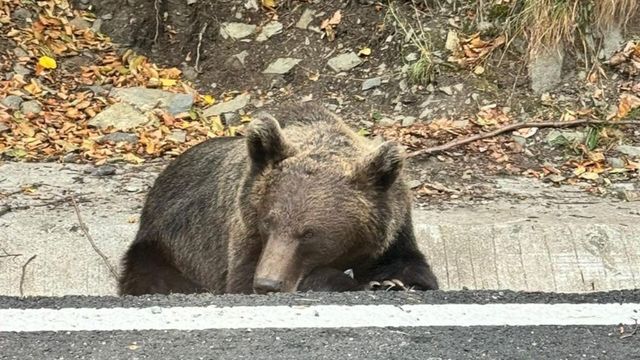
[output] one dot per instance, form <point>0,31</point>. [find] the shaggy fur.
<point>288,207</point>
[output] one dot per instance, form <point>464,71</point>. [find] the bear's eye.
<point>308,234</point>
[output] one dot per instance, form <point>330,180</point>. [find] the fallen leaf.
<point>365,51</point>
<point>47,62</point>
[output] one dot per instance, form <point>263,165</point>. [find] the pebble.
<point>371,83</point>
<point>30,107</point>
<point>344,62</point>
<point>105,170</point>
<point>12,102</point>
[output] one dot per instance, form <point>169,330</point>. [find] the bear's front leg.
<point>402,266</point>
<point>329,279</point>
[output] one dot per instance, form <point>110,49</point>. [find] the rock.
<point>241,56</point>
<point>545,69</point>
<point>177,136</point>
<point>564,137</point>
<point>414,184</point>
<point>519,140</point>
<point>371,83</point>
<point>189,72</point>
<point>30,107</point>
<point>281,66</point>
<point>612,40</point>
<point>21,15</point>
<point>107,16</point>
<point>629,150</point>
<point>236,30</point>
<point>12,102</point>
<point>458,87</point>
<point>98,90</point>
<point>19,52</point>
<point>305,19</point>
<point>412,57</point>
<point>148,99</point>
<point>236,104</point>
<point>71,157</point>
<point>408,120</point>
<point>120,116</point>
<point>447,90</point>
<point>21,70</point>
<point>616,163</point>
<point>105,170</point>
<point>231,119</point>
<point>385,121</point>
<point>452,41</point>
<point>344,62</point>
<point>79,23</point>
<point>269,30</point>
<point>97,25</point>
<point>117,137</point>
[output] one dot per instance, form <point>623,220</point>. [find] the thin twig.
<point>543,124</point>
<point>6,254</point>
<point>24,270</point>
<point>200,35</point>
<point>157,8</point>
<point>85,230</point>
<point>633,332</point>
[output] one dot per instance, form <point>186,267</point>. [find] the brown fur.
<point>282,209</point>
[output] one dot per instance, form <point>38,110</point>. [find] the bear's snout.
<point>264,286</point>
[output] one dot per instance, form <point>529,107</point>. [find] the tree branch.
<point>542,124</point>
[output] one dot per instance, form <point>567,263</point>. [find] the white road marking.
<point>315,316</point>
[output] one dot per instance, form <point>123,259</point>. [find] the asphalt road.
<point>463,335</point>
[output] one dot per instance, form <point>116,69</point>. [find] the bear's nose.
<point>263,286</point>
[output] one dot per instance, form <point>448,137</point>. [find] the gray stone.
<point>21,15</point>
<point>12,102</point>
<point>408,120</point>
<point>385,121</point>
<point>79,23</point>
<point>519,140</point>
<point>411,57</point>
<point>117,137</point>
<point>612,40</point>
<point>233,105</point>
<point>344,62</point>
<point>98,90</point>
<point>148,99</point>
<point>178,136</point>
<point>21,69</point>
<point>371,83</point>
<point>414,184</point>
<point>105,170</point>
<point>236,30</point>
<point>189,72</point>
<point>447,90</point>
<point>241,56</point>
<point>120,116</point>
<point>629,150</point>
<point>615,163</point>
<point>30,107</point>
<point>281,66</point>
<point>305,19</point>
<point>269,30</point>
<point>564,137</point>
<point>19,52</point>
<point>97,25</point>
<point>545,69</point>
<point>231,119</point>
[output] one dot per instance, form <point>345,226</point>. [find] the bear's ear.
<point>381,168</point>
<point>265,142</point>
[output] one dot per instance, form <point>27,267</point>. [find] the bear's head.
<point>314,208</point>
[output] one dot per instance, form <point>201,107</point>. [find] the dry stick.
<point>200,35</point>
<point>157,8</point>
<point>24,270</point>
<point>7,255</point>
<point>633,332</point>
<point>85,230</point>
<point>543,124</point>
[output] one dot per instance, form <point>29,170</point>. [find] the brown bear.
<point>288,207</point>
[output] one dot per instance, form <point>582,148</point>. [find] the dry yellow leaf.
<point>208,99</point>
<point>269,3</point>
<point>168,82</point>
<point>47,62</point>
<point>132,158</point>
<point>365,51</point>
